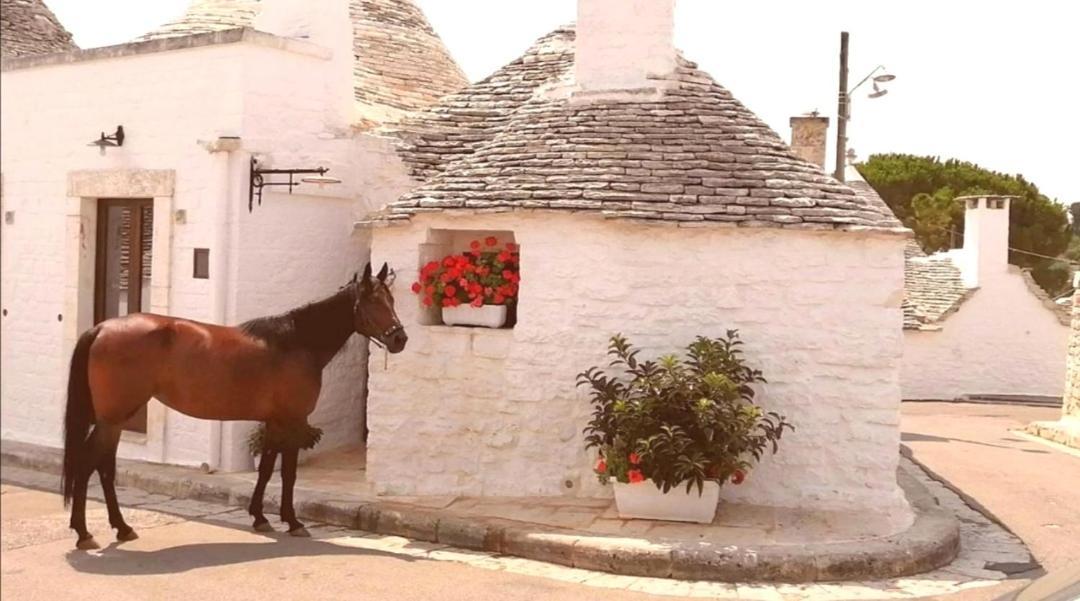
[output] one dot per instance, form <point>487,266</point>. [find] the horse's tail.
<point>80,411</point>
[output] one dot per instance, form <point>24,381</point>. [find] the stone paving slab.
<point>936,584</point>
<point>932,541</point>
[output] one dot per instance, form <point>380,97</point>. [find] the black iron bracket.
<point>117,139</point>
<point>256,183</point>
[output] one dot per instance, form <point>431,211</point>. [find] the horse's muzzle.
<point>395,343</point>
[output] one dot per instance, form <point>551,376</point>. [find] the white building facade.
<point>196,108</point>
<point>976,325</point>
<point>647,202</point>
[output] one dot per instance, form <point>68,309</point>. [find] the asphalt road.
<point>185,559</point>
<point>1034,488</point>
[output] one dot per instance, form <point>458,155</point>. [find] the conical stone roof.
<point>400,63</point>
<point>691,154</point>
<point>29,27</point>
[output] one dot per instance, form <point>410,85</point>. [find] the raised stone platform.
<point>744,544</point>
<point>1065,431</point>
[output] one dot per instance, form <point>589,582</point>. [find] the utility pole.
<point>841,110</point>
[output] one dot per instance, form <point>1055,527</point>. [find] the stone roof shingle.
<point>28,27</point>
<point>933,289</point>
<point>400,62</point>
<point>689,153</point>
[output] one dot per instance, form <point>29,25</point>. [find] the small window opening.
<point>469,278</point>
<point>201,260</point>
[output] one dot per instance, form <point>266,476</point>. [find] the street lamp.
<point>843,110</point>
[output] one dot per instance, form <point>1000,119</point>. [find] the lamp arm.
<point>871,74</point>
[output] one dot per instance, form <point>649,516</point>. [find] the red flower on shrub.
<point>601,466</point>
<point>635,476</point>
<point>475,245</point>
<point>491,240</point>
<point>427,301</point>
<point>449,291</point>
<point>478,302</point>
<point>416,287</point>
<point>738,476</point>
<point>634,459</point>
<point>510,246</point>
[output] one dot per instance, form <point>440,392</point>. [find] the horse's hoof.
<point>126,535</point>
<point>300,532</point>
<point>263,527</point>
<point>87,544</point>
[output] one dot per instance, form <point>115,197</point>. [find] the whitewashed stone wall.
<point>496,412</point>
<point>1002,340</point>
<point>291,250</point>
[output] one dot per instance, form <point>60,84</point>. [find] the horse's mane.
<point>322,325</point>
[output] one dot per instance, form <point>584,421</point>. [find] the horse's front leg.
<point>288,481</point>
<point>266,469</point>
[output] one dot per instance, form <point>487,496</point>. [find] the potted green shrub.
<point>671,432</point>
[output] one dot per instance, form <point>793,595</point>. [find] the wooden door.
<point>122,279</point>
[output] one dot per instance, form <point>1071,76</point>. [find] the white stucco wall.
<point>496,412</point>
<point>1001,340</point>
<point>291,250</point>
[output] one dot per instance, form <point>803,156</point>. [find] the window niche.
<point>442,243</point>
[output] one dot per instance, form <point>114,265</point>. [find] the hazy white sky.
<point>990,82</point>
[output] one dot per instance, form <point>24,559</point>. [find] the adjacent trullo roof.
<point>695,154</point>
<point>934,284</point>
<point>29,27</point>
<point>401,63</point>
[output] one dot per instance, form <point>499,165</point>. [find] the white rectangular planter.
<point>643,500</point>
<point>488,316</point>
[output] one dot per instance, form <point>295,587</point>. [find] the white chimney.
<point>329,26</point>
<point>621,42</point>
<point>808,137</point>
<point>986,238</point>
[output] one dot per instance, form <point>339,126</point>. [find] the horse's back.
<point>203,370</point>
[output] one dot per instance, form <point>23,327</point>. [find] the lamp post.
<point>843,109</point>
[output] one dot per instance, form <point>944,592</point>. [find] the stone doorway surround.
<point>84,189</point>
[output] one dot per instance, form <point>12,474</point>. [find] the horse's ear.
<point>365,281</point>
<point>354,276</point>
<point>382,272</point>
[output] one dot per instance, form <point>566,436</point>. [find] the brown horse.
<point>268,369</point>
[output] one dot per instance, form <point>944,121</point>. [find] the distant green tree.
<point>1074,209</point>
<point>920,190</point>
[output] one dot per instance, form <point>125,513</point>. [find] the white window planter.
<point>643,500</point>
<point>488,316</point>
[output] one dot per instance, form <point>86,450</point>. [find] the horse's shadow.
<point>114,560</point>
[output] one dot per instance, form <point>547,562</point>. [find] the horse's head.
<point>373,313</point>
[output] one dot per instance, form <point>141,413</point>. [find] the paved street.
<point>1031,486</point>
<point>218,557</point>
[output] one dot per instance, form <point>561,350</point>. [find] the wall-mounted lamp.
<point>117,139</point>
<point>315,176</point>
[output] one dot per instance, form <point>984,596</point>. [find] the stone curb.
<point>931,542</point>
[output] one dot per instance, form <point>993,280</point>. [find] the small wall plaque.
<point>202,264</point>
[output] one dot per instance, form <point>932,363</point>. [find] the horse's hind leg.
<point>95,449</point>
<point>288,481</point>
<point>107,472</point>
<point>266,469</point>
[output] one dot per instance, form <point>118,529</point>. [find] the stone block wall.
<point>1071,398</point>
<point>496,412</point>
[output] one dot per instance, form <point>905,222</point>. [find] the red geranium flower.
<point>634,459</point>
<point>738,476</point>
<point>504,257</point>
<point>427,301</point>
<point>449,291</point>
<point>499,299</point>
<point>491,240</point>
<point>511,246</point>
<point>601,466</point>
<point>635,476</point>
<point>478,302</point>
<point>475,245</point>
<point>416,287</point>
<point>446,302</point>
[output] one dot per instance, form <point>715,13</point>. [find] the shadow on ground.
<point>913,437</point>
